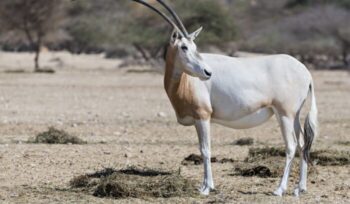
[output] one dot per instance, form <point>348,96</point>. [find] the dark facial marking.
<point>184,48</point>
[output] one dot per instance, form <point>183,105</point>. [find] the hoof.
<point>205,190</point>
<point>298,191</point>
<point>278,192</point>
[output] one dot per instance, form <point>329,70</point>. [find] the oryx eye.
<point>184,48</point>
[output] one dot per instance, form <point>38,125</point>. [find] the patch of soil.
<point>136,183</point>
<point>55,136</point>
<point>244,141</point>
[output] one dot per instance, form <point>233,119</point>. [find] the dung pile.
<point>260,171</point>
<point>244,141</point>
<point>197,160</point>
<point>55,136</point>
<point>134,182</point>
<point>265,168</point>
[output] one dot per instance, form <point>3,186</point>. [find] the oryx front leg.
<point>287,127</point>
<point>203,131</point>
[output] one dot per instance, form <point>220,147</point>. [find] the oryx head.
<point>186,54</point>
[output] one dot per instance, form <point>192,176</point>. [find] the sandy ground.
<point>127,120</point>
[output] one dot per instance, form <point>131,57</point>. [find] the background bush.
<point>316,31</point>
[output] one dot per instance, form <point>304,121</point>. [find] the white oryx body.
<point>238,93</point>
<point>242,92</point>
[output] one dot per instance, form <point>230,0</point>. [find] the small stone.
<point>117,133</point>
<point>161,114</point>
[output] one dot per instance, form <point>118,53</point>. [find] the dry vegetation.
<point>55,136</point>
<point>135,183</point>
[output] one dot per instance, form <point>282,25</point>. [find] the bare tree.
<point>34,18</point>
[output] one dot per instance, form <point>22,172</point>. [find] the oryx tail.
<point>310,126</point>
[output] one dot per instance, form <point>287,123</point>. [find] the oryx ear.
<point>174,36</point>
<point>194,35</point>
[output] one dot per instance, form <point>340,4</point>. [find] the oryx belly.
<point>252,120</point>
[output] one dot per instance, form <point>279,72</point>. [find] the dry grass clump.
<point>45,70</point>
<point>15,71</point>
<point>244,141</point>
<point>346,143</point>
<point>136,183</point>
<point>331,157</point>
<point>269,162</point>
<point>55,136</point>
<point>320,157</point>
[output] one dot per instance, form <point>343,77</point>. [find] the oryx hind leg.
<point>289,137</point>
<point>301,188</point>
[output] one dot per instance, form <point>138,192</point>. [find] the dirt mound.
<point>136,183</point>
<point>244,141</point>
<point>55,136</point>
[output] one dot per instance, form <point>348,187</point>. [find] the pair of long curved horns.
<point>183,30</point>
<point>176,17</point>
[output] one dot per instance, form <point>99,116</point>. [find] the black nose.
<point>207,73</point>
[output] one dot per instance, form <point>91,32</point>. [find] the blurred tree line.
<point>315,31</point>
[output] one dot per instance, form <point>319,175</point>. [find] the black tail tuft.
<point>309,135</point>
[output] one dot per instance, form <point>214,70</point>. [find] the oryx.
<point>238,93</point>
